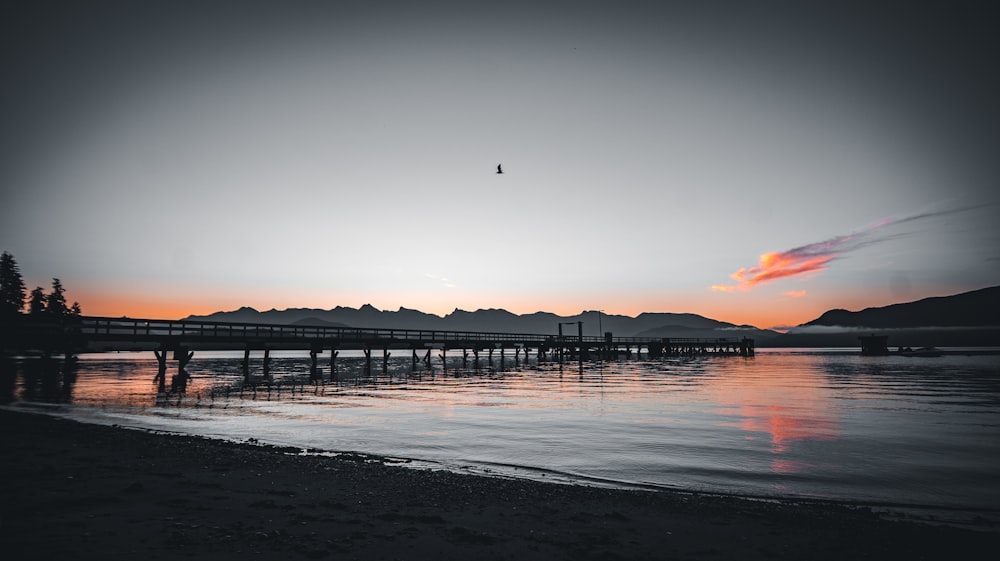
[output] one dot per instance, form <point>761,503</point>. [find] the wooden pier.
<point>180,339</point>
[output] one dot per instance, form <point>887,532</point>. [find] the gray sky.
<point>166,158</point>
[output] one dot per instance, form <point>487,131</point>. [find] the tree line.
<point>40,305</point>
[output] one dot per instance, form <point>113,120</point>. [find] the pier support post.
<point>267,363</point>
<point>368,360</point>
<point>183,356</point>
<point>427,358</point>
<point>444,359</point>
<point>562,344</point>
<point>179,382</point>
<point>161,370</point>
<point>314,374</point>
<point>333,364</point>
<point>385,360</point>
<point>246,362</point>
<point>161,359</point>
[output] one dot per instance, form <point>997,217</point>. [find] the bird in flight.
<point>499,169</point>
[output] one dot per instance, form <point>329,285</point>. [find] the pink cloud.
<point>778,265</point>
<point>811,258</point>
<point>816,257</point>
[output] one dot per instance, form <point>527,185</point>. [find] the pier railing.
<point>173,333</point>
<point>141,329</point>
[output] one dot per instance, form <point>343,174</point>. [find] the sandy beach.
<point>93,492</point>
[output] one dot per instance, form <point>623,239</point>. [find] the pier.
<point>180,339</point>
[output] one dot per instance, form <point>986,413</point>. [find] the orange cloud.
<point>795,293</point>
<point>814,257</point>
<point>774,266</point>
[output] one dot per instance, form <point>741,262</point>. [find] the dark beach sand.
<point>77,491</point>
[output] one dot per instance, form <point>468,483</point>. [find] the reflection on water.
<point>785,407</point>
<point>833,425</point>
<point>44,380</point>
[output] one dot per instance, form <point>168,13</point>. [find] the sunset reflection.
<point>792,407</point>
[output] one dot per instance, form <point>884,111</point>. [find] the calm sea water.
<point>898,432</point>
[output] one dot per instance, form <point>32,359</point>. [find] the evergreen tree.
<point>36,305</point>
<point>75,310</point>
<point>55,302</point>
<point>11,287</point>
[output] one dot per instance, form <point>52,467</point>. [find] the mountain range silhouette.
<point>967,319</point>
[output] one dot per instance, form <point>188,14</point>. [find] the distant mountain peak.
<point>974,308</point>
<point>313,321</point>
<point>969,319</point>
<point>483,319</point>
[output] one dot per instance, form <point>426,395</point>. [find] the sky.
<point>752,162</point>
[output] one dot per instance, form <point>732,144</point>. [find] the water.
<point>918,434</point>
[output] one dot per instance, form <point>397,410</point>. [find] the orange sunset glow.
<point>768,309</point>
<point>178,304</point>
<point>451,279</point>
<point>642,171</point>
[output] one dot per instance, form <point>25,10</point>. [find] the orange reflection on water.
<point>786,425</point>
<point>791,407</point>
<point>128,381</point>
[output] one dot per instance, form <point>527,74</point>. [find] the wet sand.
<point>77,491</point>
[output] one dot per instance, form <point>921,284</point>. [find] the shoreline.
<point>101,492</point>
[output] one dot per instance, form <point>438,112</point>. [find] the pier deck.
<point>88,333</point>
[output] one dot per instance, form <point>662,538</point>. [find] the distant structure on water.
<point>499,169</point>
<point>874,344</point>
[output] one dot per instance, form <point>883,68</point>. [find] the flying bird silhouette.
<point>499,169</point>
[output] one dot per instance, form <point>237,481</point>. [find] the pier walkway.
<point>88,333</point>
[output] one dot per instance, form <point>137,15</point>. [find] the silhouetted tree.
<point>55,302</point>
<point>11,287</point>
<point>75,310</point>
<point>36,305</point>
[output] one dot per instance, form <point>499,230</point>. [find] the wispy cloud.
<point>795,293</point>
<point>797,261</point>
<point>816,257</point>
<point>443,280</point>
